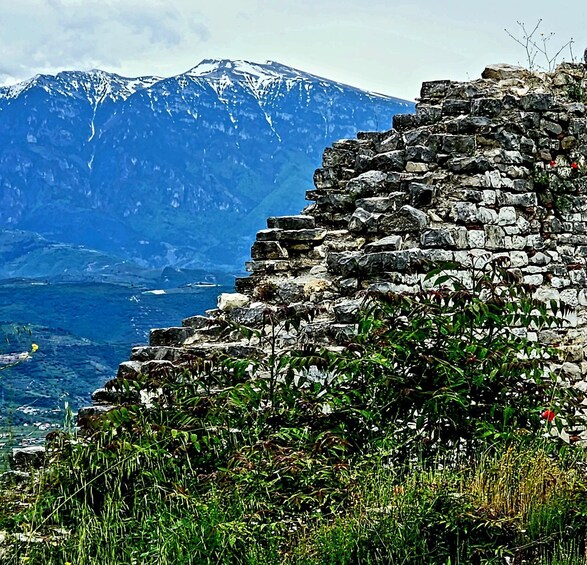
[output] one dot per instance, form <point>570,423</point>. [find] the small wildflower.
<point>552,163</point>
<point>548,415</point>
<point>574,166</point>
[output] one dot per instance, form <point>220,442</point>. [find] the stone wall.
<point>489,168</point>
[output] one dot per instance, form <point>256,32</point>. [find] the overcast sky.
<point>388,46</point>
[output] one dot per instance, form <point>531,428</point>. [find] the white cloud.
<point>39,35</point>
<point>386,46</point>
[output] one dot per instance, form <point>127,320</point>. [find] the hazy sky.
<point>387,46</point>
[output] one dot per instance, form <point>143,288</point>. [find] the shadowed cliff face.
<point>175,171</point>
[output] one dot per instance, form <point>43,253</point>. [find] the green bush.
<point>368,455</point>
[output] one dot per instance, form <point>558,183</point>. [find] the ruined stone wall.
<point>488,168</point>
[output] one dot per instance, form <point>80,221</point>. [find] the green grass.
<point>520,501</point>
<point>399,456</point>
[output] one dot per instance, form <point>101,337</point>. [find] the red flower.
<point>574,166</point>
<point>552,163</point>
<point>548,415</point>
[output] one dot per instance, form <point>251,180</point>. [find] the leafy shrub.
<point>259,460</point>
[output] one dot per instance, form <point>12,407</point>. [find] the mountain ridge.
<point>173,170</point>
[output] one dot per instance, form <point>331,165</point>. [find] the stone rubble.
<point>471,176</point>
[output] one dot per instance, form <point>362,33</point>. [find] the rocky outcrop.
<point>495,167</point>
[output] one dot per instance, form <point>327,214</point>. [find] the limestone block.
<point>302,235</point>
<point>464,212</point>
<point>514,242</point>
<point>363,221</point>
<point>523,200</point>
<point>518,259</point>
<point>486,215</point>
<point>335,157</point>
<point>489,197</point>
<point>343,263</point>
<point>170,336</point>
<point>546,294</point>
<point>506,157</point>
<point>578,277</point>
<point>367,184</point>
<point>403,122</point>
<point>551,128</point>
<point>540,259</point>
<point>248,316</point>
<point>348,286</point>
<point>198,322</point>
<point>390,142</point>
<point>389,161</point>
<point>460,236</point>
<point>507,216</point>
<point>568,142</point>
<point>325,179</point>
<point>578,126</point>
<point>523,225</point>
<point>346,311</point>
<point>535,241</point>
<point>146,354</point>
<point>434,89</point>
<point>437,237</point>
<point>27,458</point>
<point>291,222</point>
<point>268,266</point>
<point>537,101</point>
<point>493,179</point>
<point>334,201</point>
<point>415,167</point>
<point>228,301</point>
<point>268,250</point>
<point>420,153</point>
<point>376,263</point>
<point>389,243</point>
<point>129,370</point>
<point>381,204</point>
<point>418,136</point>
<point>452,144</point>
<point>486,107</point>
<point>494,237</point>
<point>407,219</point>
<point>570,297</point>
<point>456,106</point>
<point>476,239</point>
<point>268,234</point>
<point>477,164</point>
<point>504,71</point>
<point>438,255</point>
<point>548,337</point>
<point>560,282</point>
<point>428,114</point>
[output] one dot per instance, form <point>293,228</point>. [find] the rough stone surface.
<point>466,179</point>
<point>229,301</point>
<point>26,458</point>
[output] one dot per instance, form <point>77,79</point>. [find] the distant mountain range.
<point>99,170</point>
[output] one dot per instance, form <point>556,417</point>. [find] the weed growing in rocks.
<point>402,446</point>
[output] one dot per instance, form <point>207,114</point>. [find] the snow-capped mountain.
<point>171,171</point>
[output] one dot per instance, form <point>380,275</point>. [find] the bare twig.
<point>534,47</point>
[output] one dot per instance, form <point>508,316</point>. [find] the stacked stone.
<point>454,182</point>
